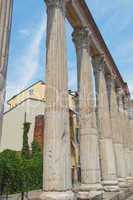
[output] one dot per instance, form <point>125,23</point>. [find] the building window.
<point>31,92</point>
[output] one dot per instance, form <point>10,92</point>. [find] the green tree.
<point>25,149</point>
<point>19,172</point>
<point>37,160</point>
<point>9,172</point>
<point>30,176</point>
<point>36,150</point>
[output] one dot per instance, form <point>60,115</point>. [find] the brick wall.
<point>39,130</point>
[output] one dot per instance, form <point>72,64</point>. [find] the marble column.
<point>5,28</point>
<point>115,125</point>
<point>107,156</point>
<point>57,180</point>
<point>89,146</point>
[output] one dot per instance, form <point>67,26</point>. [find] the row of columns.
<point>104,146</point>
<point>105,132</point>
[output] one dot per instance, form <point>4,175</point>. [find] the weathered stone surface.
<point>107,157</point>
<point>57,196</point>
<point>5,28</point>
<point>115,125</point>
<point>57,156</point>
<point>93,195</point>
<point>127,137</point>
<point>123,194</point>
<point>131,135</point>
<point>89,147</point>
<point>121,126</point>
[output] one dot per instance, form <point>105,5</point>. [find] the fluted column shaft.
<point>89,147</point>
<point>57,157</point>
<point>107,157</point>
<point>115,125</point>
<point>128,139</point>
<point>131,134</point>
<point>5,28</point>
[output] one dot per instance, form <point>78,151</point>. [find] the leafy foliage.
<point>9,171</point>
<point>36,150</point>
<point>19,173</point>
<point>25,149</point>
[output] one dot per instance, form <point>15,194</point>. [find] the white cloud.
<point>24,32</point>
<point>27,64</point>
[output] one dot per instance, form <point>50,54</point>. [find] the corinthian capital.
<point>126,102</point>
<point>81,38</point>
<point>56,3</point>
<point>99,63</point>
<point>120,94</point>
<point>111,78</point>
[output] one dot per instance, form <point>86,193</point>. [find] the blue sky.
<point>27,50</point>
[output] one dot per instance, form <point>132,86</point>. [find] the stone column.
<point>123,138</point>
<point>89,146</point>
<point>127,139</point>
<point>131,135</point>
<point>57,156</point>
<point>115,124</point>
<point>5,28</point>
<point>107,158</point>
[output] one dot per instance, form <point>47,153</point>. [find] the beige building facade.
<point>28,103</point>
<point>35,91</point>
<point>13,123</point>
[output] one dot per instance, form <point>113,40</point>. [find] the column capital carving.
<point>56,3</point>
<point>81,38</point>
<point>120,94</point>
<point>111,80</point>
<point>99,63</point>
<point>126,102</point>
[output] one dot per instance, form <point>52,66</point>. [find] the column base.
<point>96,195</point>
<point>129,180</point>
<point>110,186</point>
<point>123,183</point>
<point>89,191</point>
<point>90,187</point>
<point>69,195</point>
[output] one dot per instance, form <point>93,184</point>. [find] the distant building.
<point>31,102</point>
<point>35,91</point>
<point>12,133</point>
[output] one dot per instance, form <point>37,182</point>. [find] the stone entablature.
<point>79,15</point>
